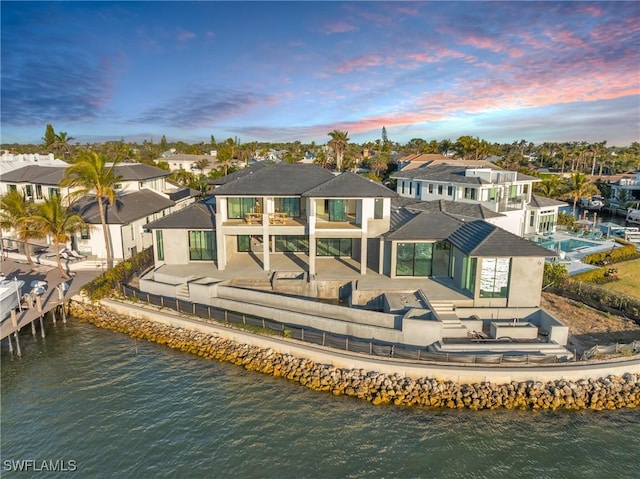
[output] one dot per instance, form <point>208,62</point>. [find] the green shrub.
<point>554,274</point>
<point>107,284</point>
<point>626,252</point>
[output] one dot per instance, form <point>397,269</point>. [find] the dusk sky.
<point>286,71</point>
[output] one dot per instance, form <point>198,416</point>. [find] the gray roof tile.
<point>36,174</point>
<point>544,202</point>
<point>201,216</point>
<point>426,226</point>
<point>456,208</point>
<point>479,238</point>
<point>350,185</point>
<point>127,208</point>
<point>279,179</point>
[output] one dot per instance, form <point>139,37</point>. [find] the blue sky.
<point>286,71</point>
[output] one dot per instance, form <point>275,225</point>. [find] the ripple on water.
<point>122,408</point>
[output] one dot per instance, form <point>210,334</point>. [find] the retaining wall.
<point>604,385</point>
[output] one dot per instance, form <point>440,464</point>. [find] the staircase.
<point>444,312</point>
<point>182,292</point>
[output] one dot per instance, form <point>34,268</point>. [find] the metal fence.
<point>323,338</point>
<point>617,348</point>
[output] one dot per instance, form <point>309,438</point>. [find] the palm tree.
<point>57,221</point>
<point>15,212</point>
<point>92,175</point>
<point>579,186</point>
<point>550,186</point>
<point>339,141</point>
<point>61,143</point>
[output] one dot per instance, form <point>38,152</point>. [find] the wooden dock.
<point>50,302</point>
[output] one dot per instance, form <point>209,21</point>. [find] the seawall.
<point>378,381</point>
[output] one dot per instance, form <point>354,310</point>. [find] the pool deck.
<point>572,260</point>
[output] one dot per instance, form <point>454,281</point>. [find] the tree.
<point>579,186</point>
<point>379,162</point>
<point>15,213</point>
<point>338,143</point>
<point>550,186</point>
<point>49,136</point>
<point>57,221</point>
<point>61,143</point>
<point>92,175</point>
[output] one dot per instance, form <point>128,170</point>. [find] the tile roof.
<point>138,171</point>
<point>199,215</point>
<point>426,226</point>
<point>52,175</point>
<point>128,207</point>
<point>350,185</point>
<point>479,238</point>
<point>455,208</point>
<point>544,202</point>
<point>37,174</point>
<point>237,174</point>
<point>442,173</point>
<point>279,179</point>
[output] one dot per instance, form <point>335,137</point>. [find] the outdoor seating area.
<point>253,218</point>
<point>277,218</point>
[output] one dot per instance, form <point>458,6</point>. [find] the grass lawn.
<point>629,278</point>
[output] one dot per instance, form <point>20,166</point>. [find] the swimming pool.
<point>568,245</point>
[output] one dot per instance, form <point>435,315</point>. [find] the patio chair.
<point>75,254</point>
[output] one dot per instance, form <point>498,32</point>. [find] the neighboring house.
<point>186,162</point>
<point>626,190</point>
<point>126,220</point>
<point>411,162</point>
<point>36,182</point>
<point>502,191</point>
<point>542,215</point>
<point>143,195</point>
<point>10,161</point>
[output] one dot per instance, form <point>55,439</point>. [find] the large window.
<point>414,259</point>
<point>333,247</point>
<point>159,245</point>
<point>39,192</point>
<point>469,274</point>
<point>239,207</point>
<point>378,208</point>
<point>494,277</point>
<point>337,210</point>
<point>244,243</point>
<point>54,192</point>
<point>470,193</point>
<point>202,245</point>
<point>292,244</point>
<point>290,206</point>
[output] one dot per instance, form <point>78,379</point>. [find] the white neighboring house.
<point>502,191</point>
<point>183,161</point>
<point>627,188</point>
<point>143,194</point>
<point>125,219</point>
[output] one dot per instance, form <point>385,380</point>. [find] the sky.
<point>287,71</point>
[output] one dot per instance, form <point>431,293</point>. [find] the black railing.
<point>332,340</point>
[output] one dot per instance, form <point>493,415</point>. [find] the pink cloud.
<point>339,27</point>
<point>360,63</point>
<point>184,36</point>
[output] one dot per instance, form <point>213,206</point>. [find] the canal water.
<point>101,405</point>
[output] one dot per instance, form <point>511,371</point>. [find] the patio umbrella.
<point>608,226</point>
